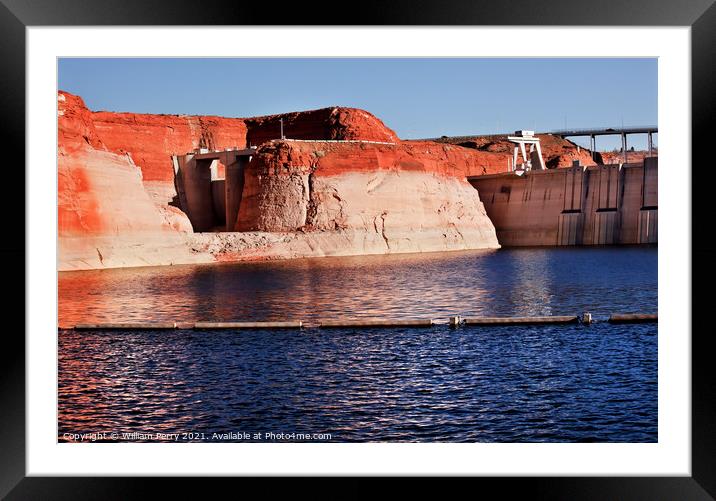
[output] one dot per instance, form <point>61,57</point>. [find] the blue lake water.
<point>560,383</point>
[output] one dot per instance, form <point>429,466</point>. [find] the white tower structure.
<point>533,154</point>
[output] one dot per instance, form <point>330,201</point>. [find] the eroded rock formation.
<point>393,198</point>
<point>617,157</point>
<point>105,217</point>
<point>150,140</point>
<point>343,184</point>
<point>336,123</point>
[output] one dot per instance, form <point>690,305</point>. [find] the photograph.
<point>358,249</point>
<point>424,242</point>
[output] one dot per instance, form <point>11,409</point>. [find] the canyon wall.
<point>334,123</point>
<point>366,192</point>
<point>342,184</point>
<point>105,217</point>
<point>616,157</point>
<point>382,197</point>
<point>151,140</point>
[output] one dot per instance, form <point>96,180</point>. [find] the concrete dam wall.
<point>596,205</point>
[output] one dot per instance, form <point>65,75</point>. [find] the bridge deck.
<point>607,131</point>
<point>602,131</point>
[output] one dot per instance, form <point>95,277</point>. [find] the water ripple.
<point>507,384</point>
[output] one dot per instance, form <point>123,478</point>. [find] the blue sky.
<point>416,97</point>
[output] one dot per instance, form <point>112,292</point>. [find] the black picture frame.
<point>700,15</point>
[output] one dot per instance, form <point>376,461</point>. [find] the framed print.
<point>428,247</point>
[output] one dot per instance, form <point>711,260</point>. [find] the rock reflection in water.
<point>505,282</point>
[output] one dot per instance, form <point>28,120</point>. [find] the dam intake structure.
<point>209,185</point>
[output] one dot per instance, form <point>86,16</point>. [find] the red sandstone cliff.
<point>403,197</point>
<point>104,215</point>
<point>334,123</point>
<point>367,193</point>
<point>342,184</point>
<point>151,139</point>
<point>617,157</point>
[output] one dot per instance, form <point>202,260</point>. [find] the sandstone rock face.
<point>558,152</point>
<point>617,157</point>
<point>105,217</point>
<point>396,198</point>
<point>75,124</point>
<point>151,140</point>
<point>342,184</point>
<point>327,123</point>
<point>116,195</point>
<point>260,246</point>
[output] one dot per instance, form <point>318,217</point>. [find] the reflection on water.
<point>496,384</point>
<point>507,282</point>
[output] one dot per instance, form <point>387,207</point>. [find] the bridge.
<point>605,131</point>
<point>611,131</point>
<point>650,130</point>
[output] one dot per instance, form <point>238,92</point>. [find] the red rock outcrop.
<point>404,197</point>
<point>327,123</point>
<point>342,184</point>
<point>151,140</point>
<point>359,156</point>
<point>76,128</point>
<point>617,157</point>
<point>115,179</point>
<point>104,215</point>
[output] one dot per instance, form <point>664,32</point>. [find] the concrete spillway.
<point>596,205</point>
